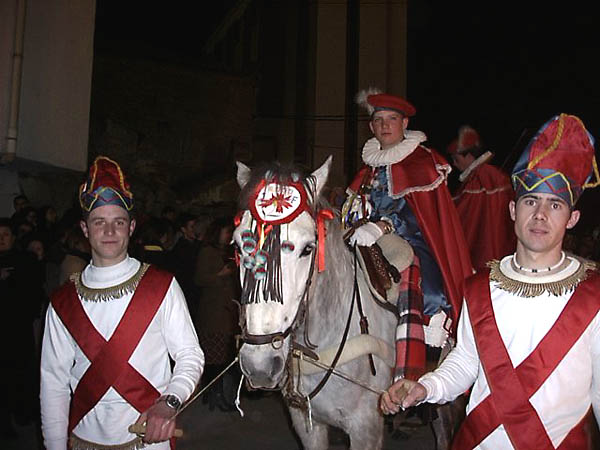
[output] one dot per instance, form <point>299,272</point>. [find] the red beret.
<point>387,101</point>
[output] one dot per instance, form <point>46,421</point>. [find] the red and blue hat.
<point>558,160</point>
<point>105,185</point>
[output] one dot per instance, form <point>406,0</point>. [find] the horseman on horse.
<point>293,310</point>
<point>402,189</point>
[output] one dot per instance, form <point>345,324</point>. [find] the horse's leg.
<point>449,418</point>
<point>315,439</point>
<point>366,430</point>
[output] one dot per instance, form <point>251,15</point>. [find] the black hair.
<point>152,230</point>
<point>214,229</point>
<point>20,197</point>
<point>184,218</point>
<point>6,222</point>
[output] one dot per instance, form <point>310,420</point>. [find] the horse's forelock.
<point>283,174</point>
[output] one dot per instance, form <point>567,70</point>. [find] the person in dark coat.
<point>217,317</point>
<point>20,287</point>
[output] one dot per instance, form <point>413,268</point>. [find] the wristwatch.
<point>172,401</point>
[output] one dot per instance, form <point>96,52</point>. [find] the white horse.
<point>290,302</point>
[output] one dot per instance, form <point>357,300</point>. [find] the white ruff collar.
<point>474,165</point>
<point>374,156</point>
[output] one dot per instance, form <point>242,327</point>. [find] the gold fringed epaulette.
<point>524,289</point>
<point>81,444</point>
<point>109,293</point>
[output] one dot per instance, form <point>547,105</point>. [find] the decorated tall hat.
<point>105,185</point>
<point>468,139</point>
<point>558,160</point>
<point>374,100</point>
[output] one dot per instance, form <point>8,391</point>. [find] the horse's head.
<point>277,242</point>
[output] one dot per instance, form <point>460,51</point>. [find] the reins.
<point>330,370</point>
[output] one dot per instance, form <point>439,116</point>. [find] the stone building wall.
<point>176,131</point>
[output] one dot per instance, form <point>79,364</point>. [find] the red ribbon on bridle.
<point>322,216</point>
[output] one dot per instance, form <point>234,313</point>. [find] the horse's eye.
<point>307,250</point>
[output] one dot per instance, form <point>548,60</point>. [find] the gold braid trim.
<point>81,444</point>
<point>529,290</point>
<point>109,293</point>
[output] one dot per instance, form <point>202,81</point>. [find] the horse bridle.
<point>276,339</point>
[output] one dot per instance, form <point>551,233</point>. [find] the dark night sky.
<point>170,31</point>
<point>502,67</point>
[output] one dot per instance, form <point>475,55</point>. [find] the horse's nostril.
<point>277,366</point>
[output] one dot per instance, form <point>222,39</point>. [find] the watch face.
<point>173,401</point>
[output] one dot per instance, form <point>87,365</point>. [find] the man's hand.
<point>160,422</point>
<point>367,234</point>
<point>402,394</point>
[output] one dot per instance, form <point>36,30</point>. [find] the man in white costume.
<point>110,334</point>
<point>529,333</point>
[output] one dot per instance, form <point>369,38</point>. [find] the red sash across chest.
<point>511,388</point>
<point>109,359</point>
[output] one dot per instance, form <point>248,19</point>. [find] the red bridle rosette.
<point>275,203</point>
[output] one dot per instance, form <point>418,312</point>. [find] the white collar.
<point>474,165</point>
<point>101,277</point>
<point>508,270</point>
<point>374,156</point>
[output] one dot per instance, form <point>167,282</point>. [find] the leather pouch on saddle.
<point>382,264</point>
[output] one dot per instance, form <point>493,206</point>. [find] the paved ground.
<point>265,426</point>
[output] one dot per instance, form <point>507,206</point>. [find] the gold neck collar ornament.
<point>525,285</point>
<point>111,292</point>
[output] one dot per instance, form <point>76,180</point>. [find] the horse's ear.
<point>321,174</point>
<point>243,174</point>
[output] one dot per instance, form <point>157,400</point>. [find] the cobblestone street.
<point>264,426</point>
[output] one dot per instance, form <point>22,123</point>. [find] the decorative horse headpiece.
<point>274,203</point>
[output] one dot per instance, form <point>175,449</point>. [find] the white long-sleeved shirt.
<point>170,333</point>
<point>563,399</point>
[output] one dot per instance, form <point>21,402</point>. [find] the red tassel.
<point>238,218</point>
<point>322,216</point>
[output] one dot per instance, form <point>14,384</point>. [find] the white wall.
<point>56,82</point>
<point>8,12</point>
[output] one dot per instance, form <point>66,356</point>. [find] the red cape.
<point>482,205</point>
<point>421,179</point>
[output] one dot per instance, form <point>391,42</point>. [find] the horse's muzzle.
<point>263,365</point>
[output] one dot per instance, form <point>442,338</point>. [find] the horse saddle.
<point>382,264</point>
